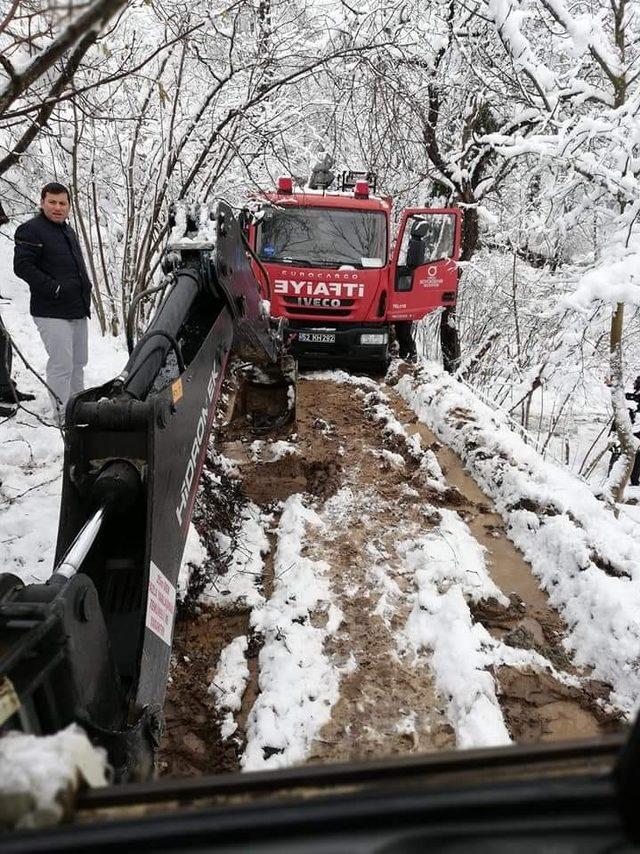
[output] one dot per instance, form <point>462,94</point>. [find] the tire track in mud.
<point>537,706</point>
<point>388,704</point>
<point>373,491</point>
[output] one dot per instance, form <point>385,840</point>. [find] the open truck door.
<point>424,273</point>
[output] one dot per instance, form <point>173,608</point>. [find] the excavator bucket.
<point>265,396</point>
<point>265,380</point>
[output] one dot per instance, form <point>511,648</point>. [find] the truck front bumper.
<point>339,344</point>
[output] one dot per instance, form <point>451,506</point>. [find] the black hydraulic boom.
<point>93,643</point>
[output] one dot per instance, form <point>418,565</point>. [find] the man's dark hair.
<point>55,189</point>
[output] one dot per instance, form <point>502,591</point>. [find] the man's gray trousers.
<point>66,343</point>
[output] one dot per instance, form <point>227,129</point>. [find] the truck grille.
<point>322,312</point>
<point>343,310</point>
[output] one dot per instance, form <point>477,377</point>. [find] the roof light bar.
<point>349,180</point>
<point>285,185</point>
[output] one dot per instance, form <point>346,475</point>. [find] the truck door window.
<point>427,238</point>
<point>323,237</point>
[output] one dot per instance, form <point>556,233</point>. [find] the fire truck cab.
<point>327,265</point>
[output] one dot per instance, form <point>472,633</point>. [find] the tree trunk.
<point>622,426</point>
<point>450,340</point>
<point>449,335</point>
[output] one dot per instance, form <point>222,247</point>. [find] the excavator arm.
<point>93,643</point>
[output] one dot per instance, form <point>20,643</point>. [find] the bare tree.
<point>51,70</point>
<point>197,121</point>
<point>586,88</point>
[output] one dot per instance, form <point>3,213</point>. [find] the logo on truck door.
<point>432,280</point>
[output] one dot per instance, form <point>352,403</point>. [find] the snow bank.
<point>193,557</point>
<point>587,560</point>
<point>39,775</point>
<point>298,684</point>
<point>230,681</point>
<point>241,586</point>
<point>449,569</point>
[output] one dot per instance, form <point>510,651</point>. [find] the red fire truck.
<point>327,265</point>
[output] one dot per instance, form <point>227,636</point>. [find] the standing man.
<point>48,257</point>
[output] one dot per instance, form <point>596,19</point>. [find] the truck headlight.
<point>374,338</point>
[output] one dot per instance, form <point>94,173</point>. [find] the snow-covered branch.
<point>93,18</point>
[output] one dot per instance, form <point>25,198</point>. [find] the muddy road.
<point>416,569</point>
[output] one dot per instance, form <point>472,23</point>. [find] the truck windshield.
<point>323,237</point>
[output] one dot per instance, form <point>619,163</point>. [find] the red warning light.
<point>361,190</point>
<point>285,184</point>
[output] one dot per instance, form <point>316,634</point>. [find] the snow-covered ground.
<point>586,560</point>
<point>422,579</point>
<point>41,775</point>
<point>31,451</point>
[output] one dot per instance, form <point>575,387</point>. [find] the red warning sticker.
<point>161,604</point>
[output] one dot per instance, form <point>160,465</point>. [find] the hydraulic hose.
<point>134,304</point>
<point>261,266</point>
<point>150,352</point>
<point>127,378</point>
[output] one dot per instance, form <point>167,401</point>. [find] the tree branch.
<point>93,18</point>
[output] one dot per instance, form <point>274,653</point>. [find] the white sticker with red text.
<point>434,278</point>
<point>161,605</point>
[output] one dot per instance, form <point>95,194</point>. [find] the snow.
<point>393,460</point>
<point>40,772</point>
<point>30,452</point>
<point>298,683</point>
<point>614,280</point>
<point>442,624</point>
<point>241,585</point>
<point>570,539</point>
<point>265,451</point>
<point>229,682</point>
<point>194,555</point>
<point>449,570</point>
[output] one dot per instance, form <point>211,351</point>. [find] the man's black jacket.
<point>48,257</point>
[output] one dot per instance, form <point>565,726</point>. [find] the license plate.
<point>317,337</point>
